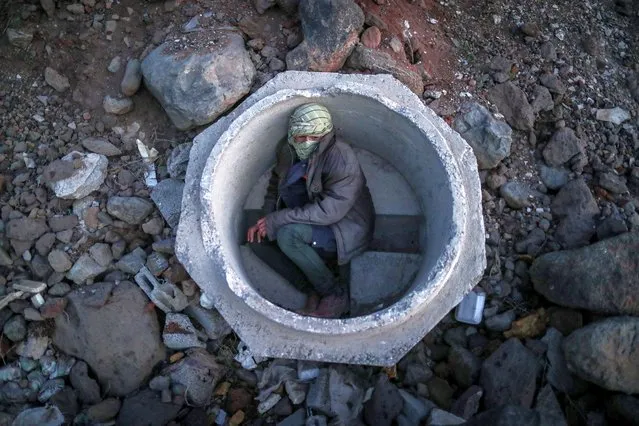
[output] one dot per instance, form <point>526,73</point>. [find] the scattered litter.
<point>433,21</point>
<point>38,118</point>
<point>37,301</point>
<point>220,419</point>
<point>30,286</point>
<point>246,358</point>
<point>149,156</point>
<point>166,296</point>
<point>471,308</point>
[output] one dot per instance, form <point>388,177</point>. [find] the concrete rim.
<point>412,302</point>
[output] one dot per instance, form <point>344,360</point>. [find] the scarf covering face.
<point>308,120</point>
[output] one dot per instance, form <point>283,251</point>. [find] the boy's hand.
<point>257,232</point>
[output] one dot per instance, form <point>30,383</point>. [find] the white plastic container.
<point>471,308</point>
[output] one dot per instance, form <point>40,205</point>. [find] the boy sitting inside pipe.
<point>317,207</point>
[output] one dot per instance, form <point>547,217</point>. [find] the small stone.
<point>31,314</point>
<point>371,37</point>
<point>276,64</point>
<point>19,38</point>
<point>62,223</point>
<point>116,106</point>
<point>87,388</point>
<point>15,329</point>
<point>467,405</point>
<point>553,83</point>
<point>132,210</point>
<point>132,78</point>
<point>464,365</point>
<point>612,183</point>
<point>542,100</point>
<point>85,268</point>
<point>101,146</point>
<point>34,346</point>
<point>440,392</point>
<point>517,194</point>
<point>59,261</point>
<point>132,262</point>
<point>385,404</point>
<point>103,411</point>
<point>114,65</point>
<point>396,45</point>
<point>157,263</point>
<point>56,80</point>
<point>50,388</point>
<point>101,253</point>
<point>439,417</point>
<point>60,289</point>
<point>154,226</point>
<point>416,373</point>
<point>531,29</point>
<point>553,177</point>
<point>501,322</point>
<point>76,8</point>
<point>53,307</point>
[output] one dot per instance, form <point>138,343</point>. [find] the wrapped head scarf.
<point>308,120</point>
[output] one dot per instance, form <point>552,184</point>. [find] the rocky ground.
<point>98,102</point>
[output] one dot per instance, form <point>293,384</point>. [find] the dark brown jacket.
<point>338,196</point>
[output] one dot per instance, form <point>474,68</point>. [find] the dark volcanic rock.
<point>118,337</point>
<point>606,353</point>
<point>509,375</point>
<point>331,31</point>
<point>513,105</point>
<point>601,277</point>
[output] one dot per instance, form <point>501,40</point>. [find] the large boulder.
<point>378,62</point>
<point>601,277</point>
<point>195,87</point>
<point>110,328</point>
<point>331,31</point>
<point>606,353</point>
<point>512,103</point>
<point>577,210</point>
<point>509,375</point>
<point>489,138</point>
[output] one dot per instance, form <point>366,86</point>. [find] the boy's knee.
<point>289,235</point>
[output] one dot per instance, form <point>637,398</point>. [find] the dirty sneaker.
<point>333,306</point>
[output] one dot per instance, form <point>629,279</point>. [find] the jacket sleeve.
<point>270,199</point>
<point>341,188</point>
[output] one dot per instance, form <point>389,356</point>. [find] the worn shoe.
<point>333,306</point>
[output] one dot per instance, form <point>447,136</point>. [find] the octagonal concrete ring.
<point>374,112</point>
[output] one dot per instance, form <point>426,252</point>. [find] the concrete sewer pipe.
<point>428,250</point>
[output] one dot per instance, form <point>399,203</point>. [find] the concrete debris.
<point>166,295</point>
<point>87,177</point>
<point>214,325</point>
<point>132,210</point>
<point>56,80</point>
<point>179,333</point>
<point>178,161</point>
<point>117,106</point>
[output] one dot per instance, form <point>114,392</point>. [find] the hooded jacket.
<point>338,195</point>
